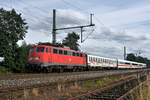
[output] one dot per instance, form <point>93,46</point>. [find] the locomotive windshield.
<point>40,49</point>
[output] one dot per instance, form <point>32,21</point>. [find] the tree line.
<point>140,59</point>
<point>12,29</point>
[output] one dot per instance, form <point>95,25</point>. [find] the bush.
<point>3,70</point>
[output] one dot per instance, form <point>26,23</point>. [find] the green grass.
<point>98,83</point>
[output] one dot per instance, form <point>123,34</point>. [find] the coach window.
<point>103,60</point>
<point>89,58</point>
<point>99,60</point>
<point>78,54</point>
<point>55,51</point>
<point>60,52</point>
<point>65,52</point>
<point>94,59</point>
<point>108,61</point>
<point>73,53</point>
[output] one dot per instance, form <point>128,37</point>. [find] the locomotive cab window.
<point>40,49</point>
<point>89,58</point>
<point>55,51</point>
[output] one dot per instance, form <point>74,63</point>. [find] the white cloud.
<point>127,16</point>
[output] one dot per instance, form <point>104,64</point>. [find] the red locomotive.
<point>48,58</point>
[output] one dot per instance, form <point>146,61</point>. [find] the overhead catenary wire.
<point>78,8</point>
<point>67,3</point>
<point>34,17</point>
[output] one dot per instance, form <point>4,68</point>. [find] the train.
<point>48,58</point>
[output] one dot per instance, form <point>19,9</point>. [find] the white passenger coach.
<point>102,62</point>
<point>96,61</point>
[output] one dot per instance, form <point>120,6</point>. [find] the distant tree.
<point>131,57</point>
<point>12,29</point>
<point>21,57</point>
<point>72,41</point>
<point>140,59</point>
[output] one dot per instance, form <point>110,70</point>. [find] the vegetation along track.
<point>16,81</point>
<point>114,91</point>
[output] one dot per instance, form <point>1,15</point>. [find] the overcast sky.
<point>118,23</point>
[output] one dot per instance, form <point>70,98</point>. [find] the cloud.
<point>64,18</point>
<point>127,16</point>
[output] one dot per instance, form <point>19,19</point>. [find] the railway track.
<point>38,75</point>
<point>114,91</point>
<point>17,81</point>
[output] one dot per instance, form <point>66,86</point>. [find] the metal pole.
<point>81,33</point>
<point>54,27</point>
<point>124,53</point>
<point>91,19</point>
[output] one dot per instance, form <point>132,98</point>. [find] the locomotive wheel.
<point>50,69</point>
<point>61,70</point>
<point>45,70</point>
<point>74,69</point>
